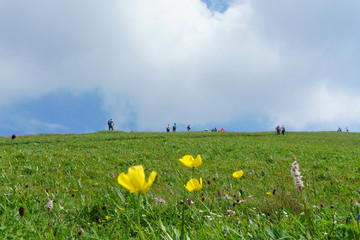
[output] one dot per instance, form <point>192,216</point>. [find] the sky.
<point>244,65</point>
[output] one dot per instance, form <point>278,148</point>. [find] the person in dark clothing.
<point>277,130</point>
<point>111,124</point>
<point>188,128</point>
<point>174,127</point>
<point>168,128</point>
<point>283,129</point>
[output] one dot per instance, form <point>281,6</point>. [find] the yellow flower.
<point>193,185</point>
<point>268,193</point>
<point>121,209</point>
<point>238,174</point>
<point>135,181</point>
<point>107,218</point>
<point>189,161</point>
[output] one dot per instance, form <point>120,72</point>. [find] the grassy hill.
<point>78,173</point>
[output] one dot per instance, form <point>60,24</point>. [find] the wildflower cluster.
<point>296,174</point>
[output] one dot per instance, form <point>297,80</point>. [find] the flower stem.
<point>307,215</point>
<point>182,221</point>
<point>138,213</point>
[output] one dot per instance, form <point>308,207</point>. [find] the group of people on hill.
<point>280,129</point>
<point>340,130</point>
<point>174,128</point>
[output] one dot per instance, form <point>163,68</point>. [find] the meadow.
<point>66,187</point>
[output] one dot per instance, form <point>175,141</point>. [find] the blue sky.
<point>67,67</point>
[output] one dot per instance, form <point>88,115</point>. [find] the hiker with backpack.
<point>174,127</point>
<point>111,124</point>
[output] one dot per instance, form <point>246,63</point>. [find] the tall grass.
<point>78,172</point>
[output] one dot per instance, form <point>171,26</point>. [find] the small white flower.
<point>299,185</point>
<point>231,212</point>
<point>49,204</point>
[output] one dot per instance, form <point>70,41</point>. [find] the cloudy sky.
<point>245,65</point>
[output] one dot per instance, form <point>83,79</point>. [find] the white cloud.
<point>164,61</point>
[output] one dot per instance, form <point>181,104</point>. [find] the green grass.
<point>76,172</point>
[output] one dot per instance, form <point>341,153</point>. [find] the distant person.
<point>188,128</point>
<point>111,124</point>
<point>174,127</point>
<point>168,128</point>
<point>283,129</point>
<point>277,129</point>
<point>339,129</point>
<point>347,129</point>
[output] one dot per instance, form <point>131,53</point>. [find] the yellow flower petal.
<point>268,193</point>
<point>189,161</point>
<point>197,161</point>
<point>135,181</point>
<point>238,174</point>
<point>193,185</point>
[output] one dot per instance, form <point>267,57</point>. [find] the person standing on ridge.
<point>168,128</point>
<point>188,128</point>
<point>111,124</point>
<point>283,129</point>
<point>174,127</point>
<point>277,129</point>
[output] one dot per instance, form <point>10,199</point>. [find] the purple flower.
<point>332,206</point>
<point>36,198</point>
<point>181,202</point>
<point>190,202</point>
<point>13,136</point>
<point>227,197</point>
<point>159,200</point>
<point>212,223</point>
<point>104,207</point>
<point>79,233</point>
<point>21,211</point>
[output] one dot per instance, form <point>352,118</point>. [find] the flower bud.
<point>21,211</point>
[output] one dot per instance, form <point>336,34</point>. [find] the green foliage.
<point>79,173</point>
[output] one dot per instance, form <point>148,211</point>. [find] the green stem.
<point>139,225</point>
<point>138,210</point>
<point>182,222</point>
<point>307,215</point>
